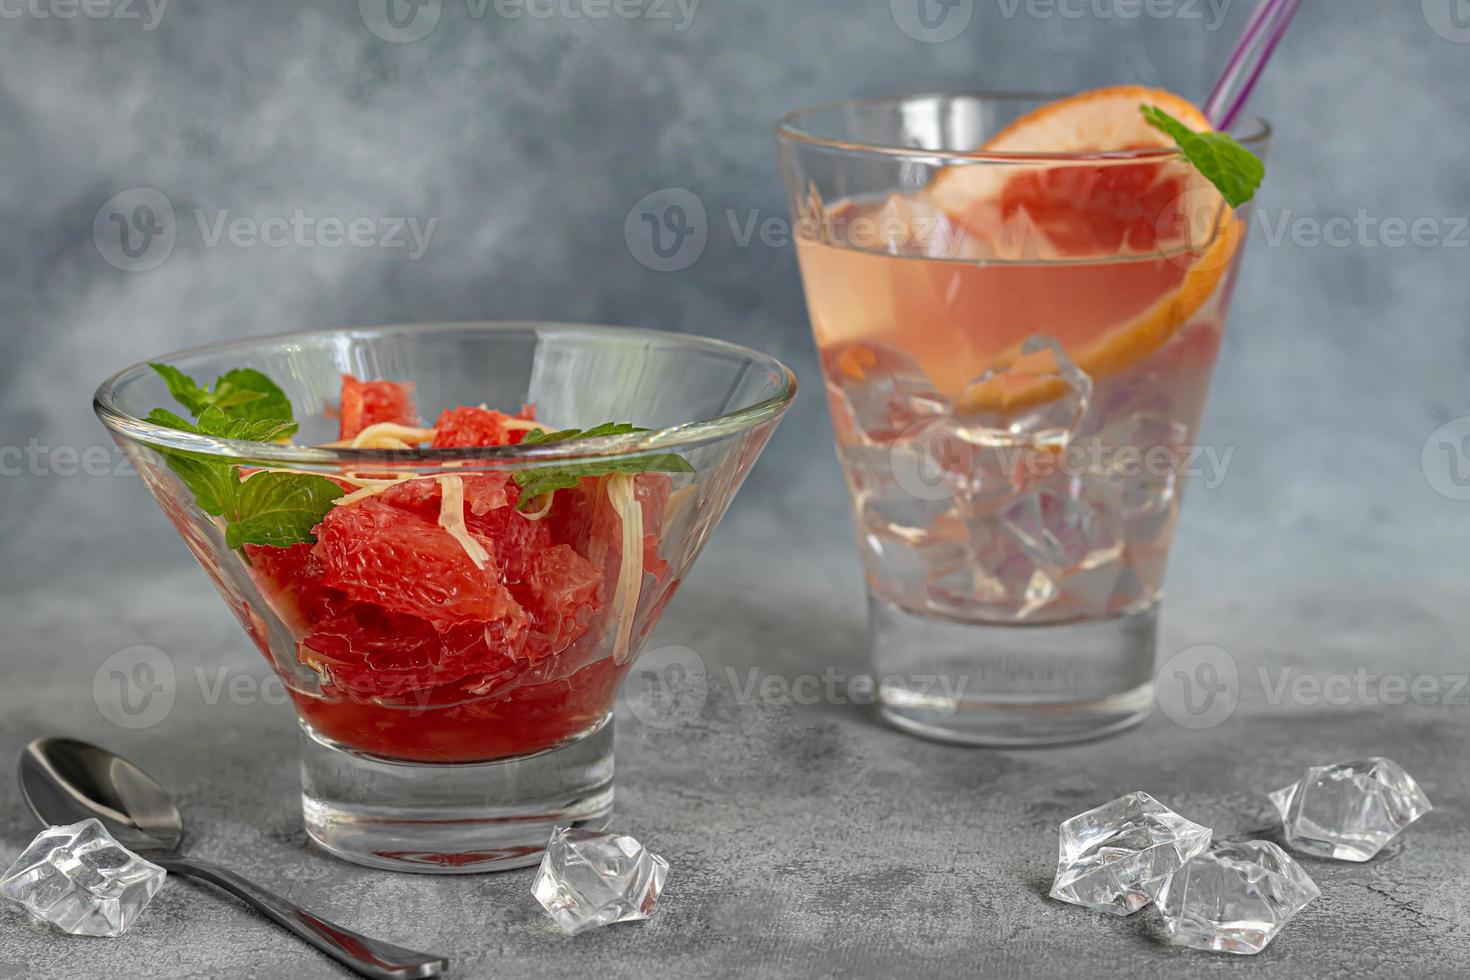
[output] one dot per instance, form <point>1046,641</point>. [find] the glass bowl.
<point>455,675</point>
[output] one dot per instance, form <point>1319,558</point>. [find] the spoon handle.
<point>369,957</point>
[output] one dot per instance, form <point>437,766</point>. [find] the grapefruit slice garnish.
<point>1012,388</point>
<point>1149,209</point>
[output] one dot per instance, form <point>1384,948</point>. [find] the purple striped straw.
<point>1264,31</point>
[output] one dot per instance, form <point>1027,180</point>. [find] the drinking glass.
<point>439,739</point>
<point>1016,349</point>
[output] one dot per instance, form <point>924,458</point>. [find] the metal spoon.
<point>65,780</point>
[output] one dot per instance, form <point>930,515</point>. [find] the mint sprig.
<point>1219,157</point>
<point>276,509</point>
<point>243,393</point>
<point>546,479</point>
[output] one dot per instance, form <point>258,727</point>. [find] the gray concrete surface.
<point>805,840</point>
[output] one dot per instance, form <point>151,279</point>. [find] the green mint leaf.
<point>162,416</point>
<point>211,482</point>
<point>248,394</point>
<point>547,479</point>
<point>215,421</point>
<point>243,393</point>
<point>605,429</point>
<point>1236,171</point>
<point>184,388</point>
<point>280,509</point>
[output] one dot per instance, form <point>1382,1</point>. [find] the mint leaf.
<point>184,388</point>
<point>243,393</point>
<point>212,484</point>
<point>268,508</point>
<point>248,394</point>
<point>162,416</point>
<point>1236,171</point>
<point>547,479</point>
<point>605,429</point>
<point>280,509</point>
<point>214,421</point>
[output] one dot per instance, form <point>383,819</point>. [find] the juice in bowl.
<point>1018,304</point>
<point>451,592</point>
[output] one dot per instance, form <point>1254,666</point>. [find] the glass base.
<point>984,684</point>
<point>459,818</point>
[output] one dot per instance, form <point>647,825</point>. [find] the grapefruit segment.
<point>470,426</point>
<point>366,403</point>
<point>405,563</point>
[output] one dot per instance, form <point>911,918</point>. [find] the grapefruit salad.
<point>448,617</point>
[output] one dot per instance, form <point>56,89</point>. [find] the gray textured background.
<point>530,140</point>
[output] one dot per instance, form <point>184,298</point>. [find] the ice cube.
<point>1040,400</point>
<point>589,879</point>
<point>1065,526</point>
<point>1111,856</point>
<point>1350,810</point>
<point>878,392</point>
<point>1142,455</point>
<point>82,881</point>
<point>1233,898</point>
<point>996,577</point>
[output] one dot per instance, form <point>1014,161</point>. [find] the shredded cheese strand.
<point>621,493</point>
<point>539,512</point>
<point>451,518</point>
<point>526,425</point>
<point>385,435</point>
<point>364,492</point>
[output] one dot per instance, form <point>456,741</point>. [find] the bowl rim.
<point>683,435</point>
<point>1252,131</point>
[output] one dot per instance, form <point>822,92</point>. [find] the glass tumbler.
<point>1016,349</point>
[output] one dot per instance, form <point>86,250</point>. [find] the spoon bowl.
<point>65,781</point>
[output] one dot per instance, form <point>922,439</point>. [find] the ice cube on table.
<point>1350,810</point>
<point>1233,898</point>
<point>1112,856</point>
<point>589,879</point>
<point>82,881</point>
